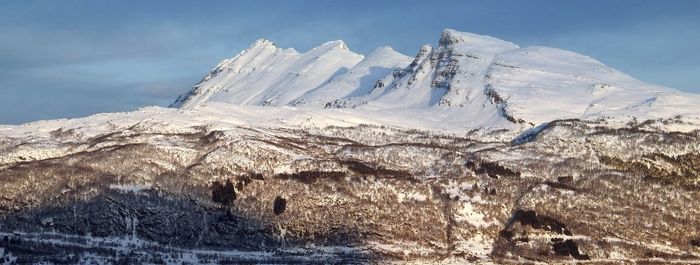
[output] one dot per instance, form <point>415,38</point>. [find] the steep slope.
<point>267,75</point>
<point>451,75</point>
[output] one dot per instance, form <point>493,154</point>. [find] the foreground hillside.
<point>132,188</point>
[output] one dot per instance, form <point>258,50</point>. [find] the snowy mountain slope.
<point>388,84</point>
<point>451,75</point>
<point>485,80</point>
<point>266,75</point>
<point>357,81</point>
<point>541,84</point>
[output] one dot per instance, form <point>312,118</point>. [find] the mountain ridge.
<point>285,73</point>
<point>488,78</point>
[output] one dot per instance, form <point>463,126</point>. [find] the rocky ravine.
<point>567,191</point>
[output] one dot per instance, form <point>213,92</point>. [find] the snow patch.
<point>130,188</point>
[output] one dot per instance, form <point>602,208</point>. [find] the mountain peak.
<point>450,37</point>
<point>424,52</point>
<point>426,48</point>
<point>335,43</point>
<point>383,49</point>
<point>386,51</point>
<point>262,43</point>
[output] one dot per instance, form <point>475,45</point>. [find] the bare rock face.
<point>571,191</point>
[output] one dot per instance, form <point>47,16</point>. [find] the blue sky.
<point>75,58</point>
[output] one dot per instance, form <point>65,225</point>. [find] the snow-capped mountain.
<point>476,151</point>
<point>489,80</point>
<point>266,75</point>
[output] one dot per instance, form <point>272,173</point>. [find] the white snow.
<point>476,244</point>
<point>359,80</point>
<point>469,214</point>
<point>130,188</point>
<point>411,196</point>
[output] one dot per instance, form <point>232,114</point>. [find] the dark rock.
<point>531,218</point>
<point>568,248</point>
<point>695,242</point>
<point>565,179</point>
<point>494,170</point>
<point>280,205</point>
<point>223,193</point>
